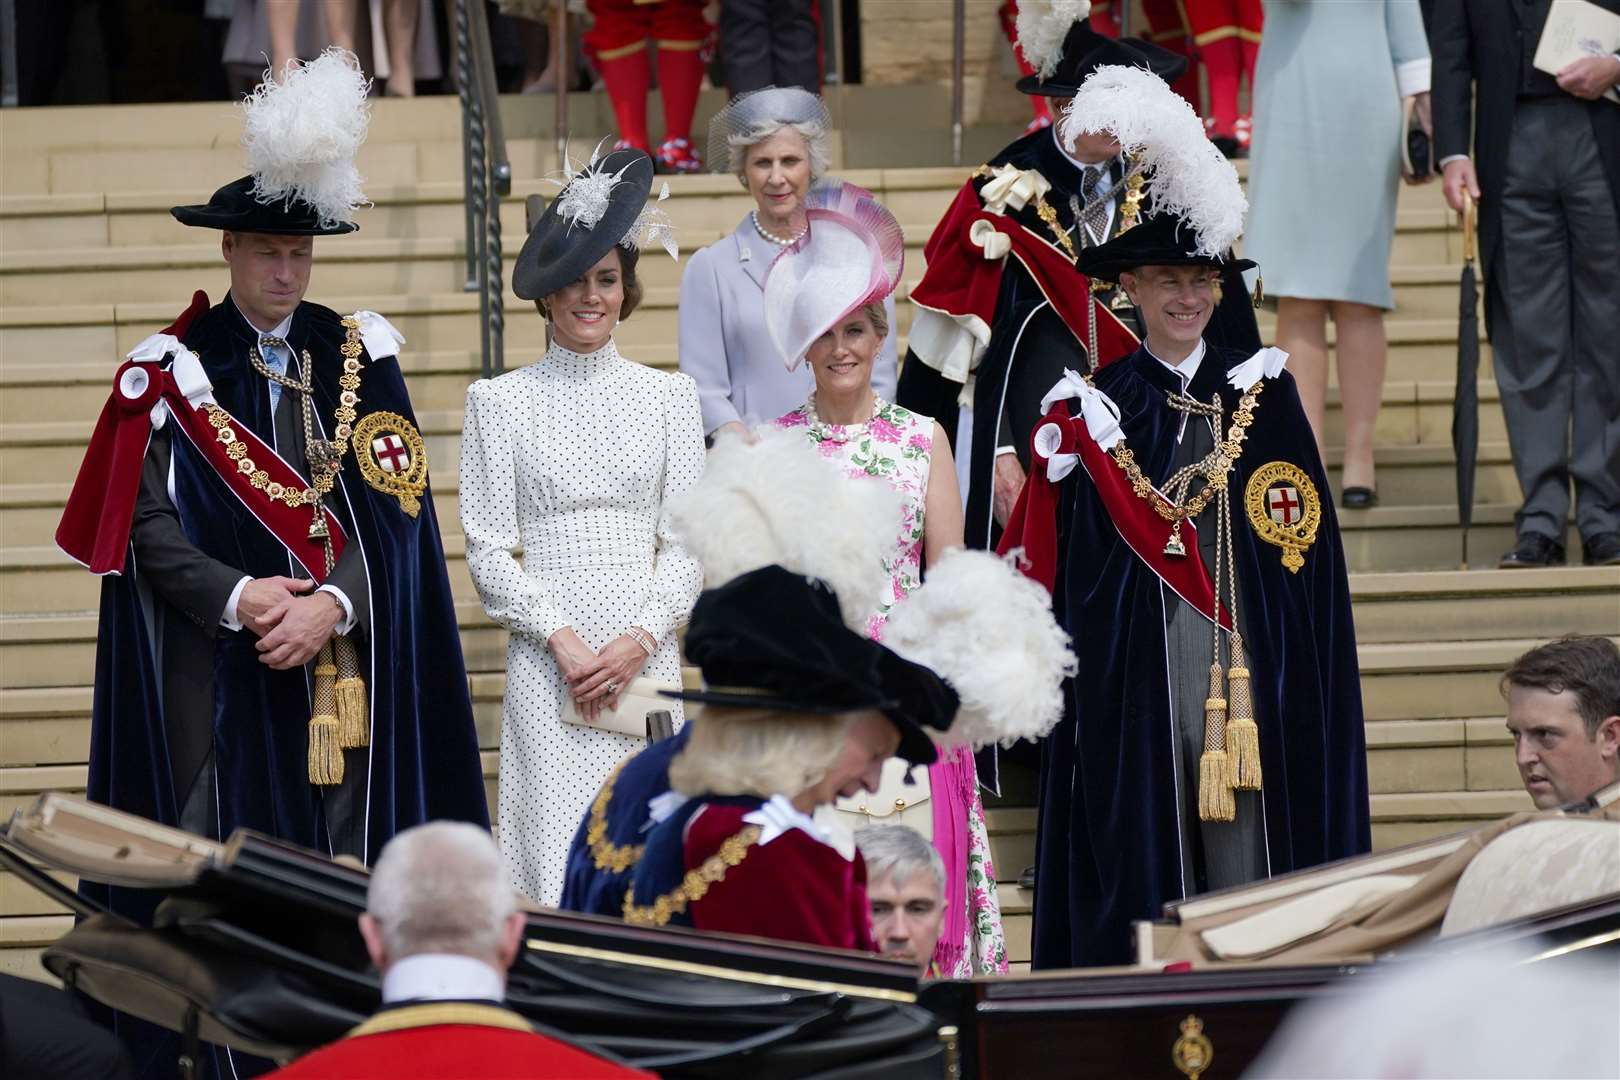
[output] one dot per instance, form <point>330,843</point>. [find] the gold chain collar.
<point>343,417</point>
<point>1216,467</point>
<point>605,853</point>
<point>696,884</point>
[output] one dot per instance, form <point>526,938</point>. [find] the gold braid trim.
<point>696,883</point>
<point>1216,468</point>
<point>606,854</point>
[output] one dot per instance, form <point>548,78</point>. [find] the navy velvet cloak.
<point>645,776</point>
<point>1108,834</point>
<point>998,375</point>
<point>423,761</point>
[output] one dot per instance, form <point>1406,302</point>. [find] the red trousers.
<point>622,26</point>
<point>1226,34</point>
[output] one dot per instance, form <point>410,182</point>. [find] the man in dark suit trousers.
<point>1548,183</point>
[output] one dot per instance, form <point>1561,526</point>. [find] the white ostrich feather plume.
<point>585,190</point>
<point>778,501</point>
<point>302,135</point>
<point>652,226</point>
<point>1041,27</point>
<point>1186,175</point>
<point>989,631</point>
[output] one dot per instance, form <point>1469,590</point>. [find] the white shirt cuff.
<point>348,609</point>
<point>228,618</point>
<point>1412,77</point>
<point>1000,450</point>
<point>1449,158</point>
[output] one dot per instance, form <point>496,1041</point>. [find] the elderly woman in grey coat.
<point>775,142</point>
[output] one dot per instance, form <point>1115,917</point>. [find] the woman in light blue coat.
<point>1323,177</point>
<point>775,142</point>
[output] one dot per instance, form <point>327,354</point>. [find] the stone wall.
<point>909,42</point>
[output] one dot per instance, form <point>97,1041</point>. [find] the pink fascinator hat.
<point>851,254</point>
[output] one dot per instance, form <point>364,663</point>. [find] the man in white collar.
<point>1191,475</point>
<point>993,331</point>
<point>277,646</point>
<point>442,926</point>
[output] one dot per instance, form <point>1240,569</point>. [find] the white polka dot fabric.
<point>566,466</point>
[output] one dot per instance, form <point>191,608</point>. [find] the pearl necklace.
<point>823,430</point>
<point>779,241</point>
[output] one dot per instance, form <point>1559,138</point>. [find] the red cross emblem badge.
<point>1284,509</point>
<point>1283,504</point>
<point>392,454</point>
<point>392,457</point>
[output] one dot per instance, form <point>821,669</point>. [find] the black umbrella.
<point>1465,408</point>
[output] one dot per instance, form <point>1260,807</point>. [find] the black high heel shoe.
<point>1358,498</point>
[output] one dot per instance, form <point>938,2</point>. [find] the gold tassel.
<point>325,754</point>
<point>1242,733</point>
<point>1215,801</point>
<point>353,714</point>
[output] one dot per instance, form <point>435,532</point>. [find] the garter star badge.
<point>1284,509</point>
<point>392,457</point>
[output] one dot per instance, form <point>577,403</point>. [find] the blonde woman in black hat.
<point>799,709</point>
<point>566,466</point>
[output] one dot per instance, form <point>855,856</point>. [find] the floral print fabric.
<point>896,445</point>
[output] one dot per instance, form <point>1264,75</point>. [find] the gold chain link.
<point>696,883</point>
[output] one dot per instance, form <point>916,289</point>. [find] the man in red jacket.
<point>442,927</point>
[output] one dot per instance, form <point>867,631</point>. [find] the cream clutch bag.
<point>895,802</point>
<point>630,718</point>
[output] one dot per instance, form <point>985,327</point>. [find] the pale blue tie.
<point>275,358</point>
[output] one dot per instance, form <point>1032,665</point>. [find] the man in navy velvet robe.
<point>1120,830</point>
<point>211,618</point>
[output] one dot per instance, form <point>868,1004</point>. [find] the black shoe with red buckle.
<point>678,156</point>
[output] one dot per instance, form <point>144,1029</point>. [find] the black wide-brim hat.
<point>1085,50</point>
<point>558,250</point>
<point>1157,240</point>
<point>772,639</point>
<point>235,208</point>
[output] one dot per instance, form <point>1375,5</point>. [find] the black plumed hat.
<point>236,208</point>
<point>773,639</point>
<point>595,211</point>
<point>1157,240</point>
<point>1085,50</point>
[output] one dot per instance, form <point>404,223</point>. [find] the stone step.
<point>434,263</point>
<point>41,579</point>
<point>1420,472</point>
<point>1460,605</point>
<point>31,389</point>
<point>78,149</point>
<point>1428,680</point>
<point>1472,754</point>
<point>1420,348</point>
<point>436,210</point>
<point>1413,413</point>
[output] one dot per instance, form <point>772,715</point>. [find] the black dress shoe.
<point>1358,498</point>
<point>1026,880</point>
<point>1533,549</point>
<point>1601,549</point>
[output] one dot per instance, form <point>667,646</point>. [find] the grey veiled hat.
<point>762,111</point>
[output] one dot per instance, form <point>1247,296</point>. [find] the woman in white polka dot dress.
<point>566,466</point>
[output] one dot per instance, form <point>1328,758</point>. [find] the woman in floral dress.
<point>824,304</point>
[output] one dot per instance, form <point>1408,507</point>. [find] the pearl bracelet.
<point>642,638</point>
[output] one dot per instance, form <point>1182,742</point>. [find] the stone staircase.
<point>91,263</point>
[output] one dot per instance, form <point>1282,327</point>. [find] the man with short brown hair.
<point>1563,712</point>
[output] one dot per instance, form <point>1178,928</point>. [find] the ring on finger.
<point>612,687</point>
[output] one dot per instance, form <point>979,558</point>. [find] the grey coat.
<point>723,343</point>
